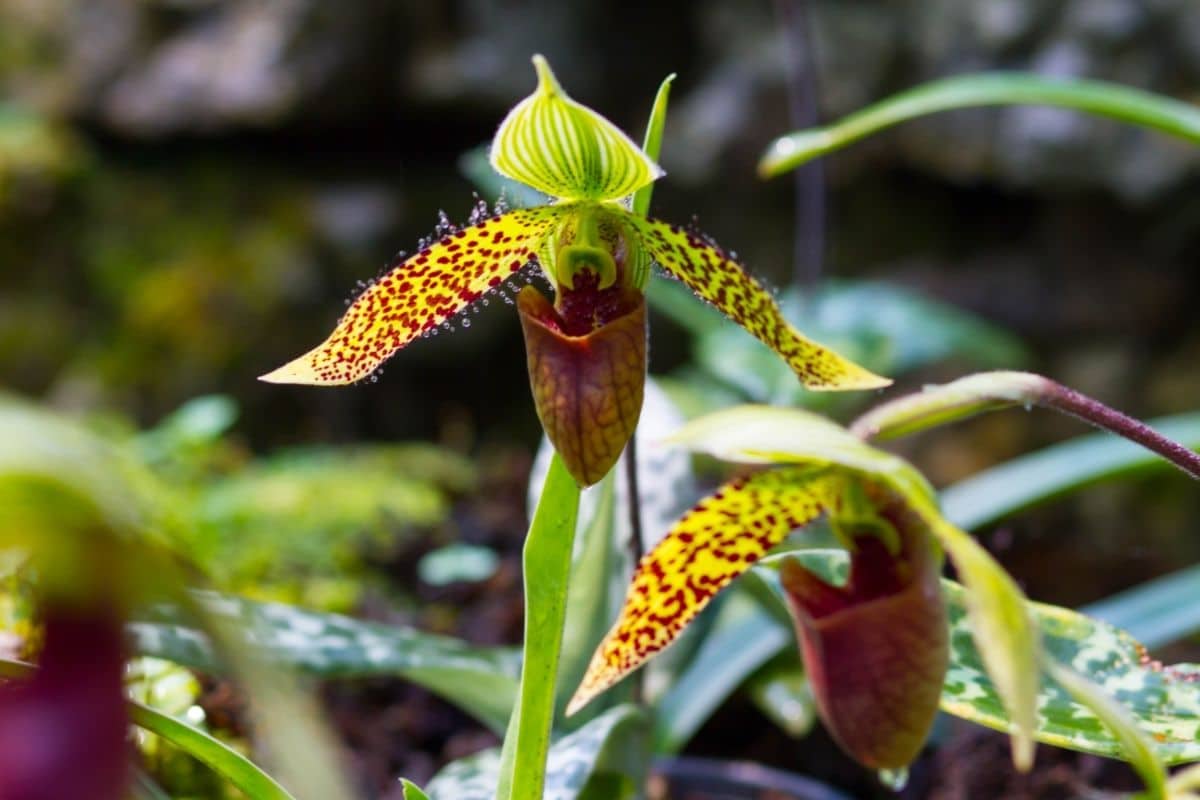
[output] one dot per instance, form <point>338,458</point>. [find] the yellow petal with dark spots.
<point>720,280</point>
<point>420,294</point>
<point>719,539</point>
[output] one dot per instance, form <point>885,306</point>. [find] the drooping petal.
<point>719,539</point>
<point>567,150</point>
<point>420,294</point>
<point>587,388</point>
<point>720,280</point>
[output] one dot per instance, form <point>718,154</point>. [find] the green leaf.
<point>1026,481</point>
<point>743,637</point>
<point>781,691</point>
<point>229,763</point>
<point>1157,612</point>
<point>457,562</point>
<point>652,142</point>
<point>1165,701</point>
<point>547,564</point>
<point>939,405</point>
<point>557,146</point>
<point>770,435</point>
<point>1146,109</point>
<point>1136,746</point>
<point>412,791</point>
<point>1007,637</point>
<point>480,680</point>
<point>604,760</point>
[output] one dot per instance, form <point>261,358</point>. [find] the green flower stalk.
<point>586,347</point>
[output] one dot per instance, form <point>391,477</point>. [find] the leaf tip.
<point>547,82</point>
<point>299,371</point>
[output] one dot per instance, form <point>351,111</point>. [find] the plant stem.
<point>1067,400</point>
<point>636,550</point>
<point>547,568</point>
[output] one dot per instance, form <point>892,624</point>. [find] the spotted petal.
<point>717,278</point>
<point>557,146</point>
<point>710,546</point>
<point>420,294</point>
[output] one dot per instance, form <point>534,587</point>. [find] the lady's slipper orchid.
<point>875,649</point>
<point>587,348</point>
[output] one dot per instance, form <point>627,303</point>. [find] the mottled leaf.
<point>560,147</point>
<point>1164,700</point>
<point>480,680</point>
<point>604,759</point>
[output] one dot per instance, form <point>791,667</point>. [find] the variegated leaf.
<point>480,680</point>
<point>605,758</point>
<point>565,149</point>
<point>1164,700</point>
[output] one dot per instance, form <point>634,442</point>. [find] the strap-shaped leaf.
<point>720,280</point>
<point>557,146</point>
<point>719,539</point>
<point>420,294</point>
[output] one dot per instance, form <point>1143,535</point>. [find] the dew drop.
<point>466,323</point>
<point>894,779</point>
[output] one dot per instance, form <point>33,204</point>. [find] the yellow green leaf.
<point>720,280</point>
<point>719,539</point>
<point>1006,634</point>
<point>565,149</point>
<point>421,293</point>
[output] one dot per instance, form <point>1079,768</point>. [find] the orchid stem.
<point>547,567</point>
<point>1068,401</point>
<point>636,550</point>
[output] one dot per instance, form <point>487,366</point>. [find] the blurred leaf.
<point>457,562</point>
<point>481,681</point>
<point>199,421</point>
<point>604,760</point>
<point>1157,612</point>
<point>476,167</point>
<point>743,637</point>
<point>1165,701</point>
<point>782,693</point>
<point>412,791</point>
<point>1026,481</point>
<point>1136,746</point>
<point>1125,103</point>
<point>235,767</point>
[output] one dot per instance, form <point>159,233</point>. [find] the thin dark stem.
<point>1069,401</point>
<point>803,107</point>
<point>634,504</point>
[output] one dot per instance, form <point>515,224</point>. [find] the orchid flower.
<point>875,649</point>
<point>586,349</point>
